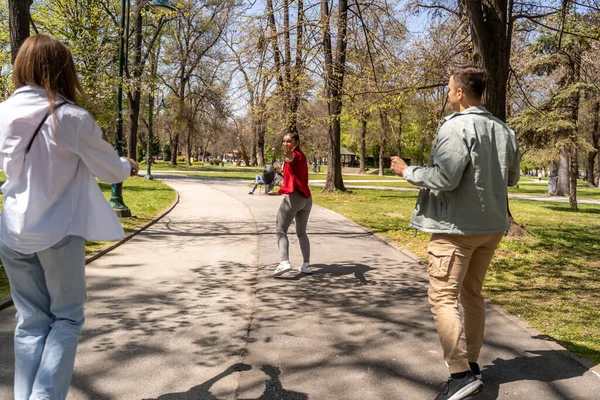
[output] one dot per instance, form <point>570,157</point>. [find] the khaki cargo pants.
<point>457,268</point>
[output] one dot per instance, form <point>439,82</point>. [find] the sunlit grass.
<point>526,187</point>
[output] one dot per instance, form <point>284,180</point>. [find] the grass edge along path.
<point>146,199</point>
<point>548,279</point>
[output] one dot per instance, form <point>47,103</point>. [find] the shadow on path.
<point>334,270</point>
<point>549,366</point>
<point>273,388</point>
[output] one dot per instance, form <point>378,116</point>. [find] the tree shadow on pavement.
<point>6,355</point>
<point>273,388</point>
<point>333,270</point>
<point>548,366</point>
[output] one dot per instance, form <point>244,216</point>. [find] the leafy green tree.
<point>5,54</point>
<point>555,120</point>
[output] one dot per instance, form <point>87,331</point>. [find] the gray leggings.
<point>295,205</point>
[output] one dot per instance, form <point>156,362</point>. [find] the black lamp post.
<point>116,196</point>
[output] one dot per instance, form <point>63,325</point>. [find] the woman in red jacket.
<point>295,205</point>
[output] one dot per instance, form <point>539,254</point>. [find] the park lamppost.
<point>116,196</point>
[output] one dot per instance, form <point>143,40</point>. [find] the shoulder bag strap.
<point>40,126</point>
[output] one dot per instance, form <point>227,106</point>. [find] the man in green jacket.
<point>463,203</point>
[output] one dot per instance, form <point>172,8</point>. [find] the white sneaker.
<point>282,268</point>
<point>305,268</point>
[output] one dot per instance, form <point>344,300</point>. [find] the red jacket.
<point>295,174</point>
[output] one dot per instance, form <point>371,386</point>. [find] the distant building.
<point>348,158</point>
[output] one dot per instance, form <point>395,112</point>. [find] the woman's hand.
<point>288,154</point>
<point>134,166</point>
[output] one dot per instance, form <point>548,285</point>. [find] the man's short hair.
<point>471,79</point>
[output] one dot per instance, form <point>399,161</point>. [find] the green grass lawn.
<point>209,171</point>
<point>231,172</point>
<point>526,186</point>
<point>362,177</point>
<point>146,199</point>
<point>549,279</point>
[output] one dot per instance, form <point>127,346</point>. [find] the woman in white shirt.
<point>51,151</point>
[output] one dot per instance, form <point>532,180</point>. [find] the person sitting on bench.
<point>271,176</point>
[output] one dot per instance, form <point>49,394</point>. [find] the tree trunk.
<point>381,157</point>
<point>173,147</point>
<point>399,134</point>
<point>287,70</point>
<point>260,139</point>
<point>135,98</point>
<point>575,103</point>
<point>590,168</point>
<point>298,68</point>
<point>384,124</point>
<point>491,32</point>
<point>334,80</point>
<point>18,23</point>
<point>243,153</point>
<point>188,145</point>
<point>562,185</point>
<point>205,158</point>
<point>595,143</point>
<point>363,145</point>
<point>253,146</point>
<point>573,172</point>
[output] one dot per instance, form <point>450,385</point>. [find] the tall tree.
<point>250,54</point>
<point>18,22</point>
<point>5,54</point>
<point>491,34</point>
<point>556,120</point>
<point>288,73</point>
<point>595,142</point>
<point>90,27</point>
<point>192,37</point>
<point>335,70</point>
<point>141,54</point>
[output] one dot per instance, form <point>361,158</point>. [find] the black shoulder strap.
<point>40,126</point>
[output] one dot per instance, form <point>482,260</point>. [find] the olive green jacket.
<point>474,158</point>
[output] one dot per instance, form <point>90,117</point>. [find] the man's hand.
<point>398,166</point>
<point>134,166</point>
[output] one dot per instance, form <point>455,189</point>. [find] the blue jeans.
<point>48,289</point>
<point>259,181</point>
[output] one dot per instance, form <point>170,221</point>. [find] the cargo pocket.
<point>440,262</point>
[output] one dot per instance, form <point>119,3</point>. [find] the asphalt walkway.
<point>188,310</point>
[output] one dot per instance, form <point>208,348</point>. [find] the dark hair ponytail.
<point>294,134</point>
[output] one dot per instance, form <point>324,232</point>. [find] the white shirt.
<point>51,191</point>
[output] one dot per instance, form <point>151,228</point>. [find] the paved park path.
<point>188,310</point>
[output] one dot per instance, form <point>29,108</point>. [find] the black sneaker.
<point>457,389</point>
<point>475,369</point>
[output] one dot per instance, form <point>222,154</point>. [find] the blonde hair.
<point>46,62</point>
